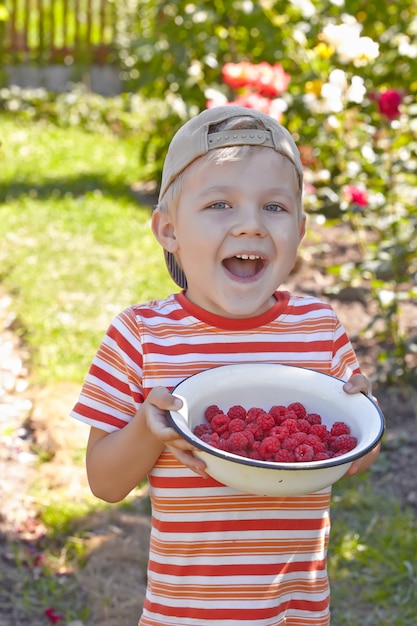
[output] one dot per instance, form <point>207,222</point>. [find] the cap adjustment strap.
<point>242,136</point>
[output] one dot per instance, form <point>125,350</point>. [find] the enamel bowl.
<point>264,385</point>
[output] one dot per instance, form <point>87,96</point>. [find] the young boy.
<point>230,220</point>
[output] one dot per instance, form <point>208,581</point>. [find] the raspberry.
<point>220,422</point>
<point>211,438</point>
<point>202,429</point>
<point>211,411</point>
<point>313,418</point>
<point>303,425</point>
<point>321,456</point>
<point>298,408</point>
<point>265,421</point>
<point>315,442</point>
<point>290,443</point>
<point>256,430</point>
<point>284,456</point>
<point>237,411</point>
<point>300,437</point>
<point>343,442</point>
<point>339,428</point>
<point>290,424</point>
<point>303,453</point>
<point>280,432</point>
<point>269,447</point>
<point>236,424</point>
<point>253,413</point>
<point>279,413</point>
<point>320,430</point>
<point>237,441</point>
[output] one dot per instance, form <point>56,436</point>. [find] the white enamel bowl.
<point>264,385</point>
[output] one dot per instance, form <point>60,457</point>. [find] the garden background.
<point>78,175</point>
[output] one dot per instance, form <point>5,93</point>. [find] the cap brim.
<point>176,272</point>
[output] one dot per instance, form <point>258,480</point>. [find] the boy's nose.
<point>249,222</point>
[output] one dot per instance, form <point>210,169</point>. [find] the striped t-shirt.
<point>219,556</point>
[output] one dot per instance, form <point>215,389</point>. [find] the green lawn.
<point>76,245</point>
<point>76,248</point>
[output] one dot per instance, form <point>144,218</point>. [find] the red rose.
<point>389,102</point>
<point>356,195</point>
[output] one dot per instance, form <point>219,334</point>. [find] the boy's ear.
<point>164,230</point>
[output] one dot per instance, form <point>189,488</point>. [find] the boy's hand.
<point>356,384</point>
<point>158,402</point>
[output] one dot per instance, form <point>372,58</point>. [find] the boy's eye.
<point>274,206</point>
<point>219,205</point>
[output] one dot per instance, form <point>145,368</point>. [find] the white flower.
<point>349,45</point>
<point>357,90</point>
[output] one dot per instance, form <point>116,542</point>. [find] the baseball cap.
<point>194,140</point>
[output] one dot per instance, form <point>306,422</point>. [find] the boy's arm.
<point>117,462</point>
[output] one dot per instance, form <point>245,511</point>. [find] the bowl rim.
<point>342,459</point>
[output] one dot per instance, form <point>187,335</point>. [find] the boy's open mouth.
<point>244,265</point>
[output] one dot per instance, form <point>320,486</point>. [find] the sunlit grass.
<point>372,557</point>
<point>76,245</point>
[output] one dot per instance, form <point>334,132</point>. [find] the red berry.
<point>290,424</point>
<point>237,441</point>
<point>253,413</point>
<point>343,442</point>
<point>201,429</point>
<point>256,430</point>
<point>237,411</point>
<point>220,422</point>
<point>303,425</point>
<point>320,430</point>
<point>303,453</point>
<point>269,447</point>
<point>315,442</point>
<point>284,456</point>
<point>236,424</point>
<point>265,421</point>
<point>300,437</point>
<point>313,418</point>
<point>321,456</point>
<point>339,428</point>
<point>290,443</point>
<point>279,413</point>
<point>298,408</point>
<point>211,411</point>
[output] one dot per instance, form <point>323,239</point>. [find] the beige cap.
<point>193,140</point>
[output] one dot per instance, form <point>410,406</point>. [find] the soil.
<point>34,421</point>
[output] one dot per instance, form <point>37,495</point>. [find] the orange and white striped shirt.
<point>219,556</point>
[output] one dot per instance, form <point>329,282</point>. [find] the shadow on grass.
<point>76,186</point>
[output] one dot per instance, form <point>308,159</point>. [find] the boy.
<point>230,220</point>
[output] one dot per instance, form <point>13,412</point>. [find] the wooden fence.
<point>58,31</point>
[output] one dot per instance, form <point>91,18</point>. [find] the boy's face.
<point>236,231</point>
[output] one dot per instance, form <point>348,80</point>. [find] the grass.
<point>76,249</point>
<point>76,246</point>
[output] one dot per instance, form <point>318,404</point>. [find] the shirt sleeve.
<point>112,391</point>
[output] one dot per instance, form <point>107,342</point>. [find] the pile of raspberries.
<point>284,434</point>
